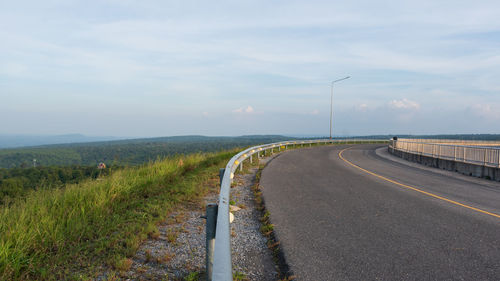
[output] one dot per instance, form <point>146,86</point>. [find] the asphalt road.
<point>337,222</point>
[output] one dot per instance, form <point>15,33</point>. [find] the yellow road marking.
<point>414,188</point>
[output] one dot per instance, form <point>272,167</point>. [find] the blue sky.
<point>160,68</point>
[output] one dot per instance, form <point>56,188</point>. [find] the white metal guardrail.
<point>455,142</point>
<point>472,152</point>
<point>222,266</point>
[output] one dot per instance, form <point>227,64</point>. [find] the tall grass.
<point>68,233</point>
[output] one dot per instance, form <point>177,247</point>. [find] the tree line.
<point>58,165</point>
<point>125,152</point>
<point>16,182</point>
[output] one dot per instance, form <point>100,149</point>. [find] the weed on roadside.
<point>267,229</point>
<point>239,276</point>
<point>192,276</point>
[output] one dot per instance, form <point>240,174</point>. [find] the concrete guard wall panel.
<point>450,165</point>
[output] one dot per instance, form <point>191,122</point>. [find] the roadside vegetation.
<point>17,182</point>
<point>54,166</point>
<point>70,232</point>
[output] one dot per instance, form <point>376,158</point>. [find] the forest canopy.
<point>123,152</point>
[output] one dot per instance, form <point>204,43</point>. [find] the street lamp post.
<point>331,104</point>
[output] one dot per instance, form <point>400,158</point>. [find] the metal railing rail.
<point>455,142</point>
<point>222,265</point>
<point>487,155</point>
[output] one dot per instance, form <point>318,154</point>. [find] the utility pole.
<point>331,105</point>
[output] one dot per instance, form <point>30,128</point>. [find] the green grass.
<point>193,276</point>
<point>239,276</point>
<point>69,233</point>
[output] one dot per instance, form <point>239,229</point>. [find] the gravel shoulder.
<point>177,250</point>
<point>250,253</point>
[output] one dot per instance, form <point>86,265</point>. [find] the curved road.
<point>401,221</point>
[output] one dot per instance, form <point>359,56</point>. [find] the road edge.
<point>267,229</point>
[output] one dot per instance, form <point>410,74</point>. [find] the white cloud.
<point>404,104</point>
<point>248,109</point>
<point>362,107</point>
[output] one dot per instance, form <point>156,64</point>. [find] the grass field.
<point>69,233</point>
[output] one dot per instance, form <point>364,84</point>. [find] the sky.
<point>163,68</point>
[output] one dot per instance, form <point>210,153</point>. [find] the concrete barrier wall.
<point>450,165</point>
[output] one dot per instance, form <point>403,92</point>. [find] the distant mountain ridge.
<point>13,141</point>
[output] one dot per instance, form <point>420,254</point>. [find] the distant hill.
<point>139,151</point>
<point>12,141</point>
<point>124,152</point>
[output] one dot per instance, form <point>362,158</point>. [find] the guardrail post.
<point>211,226</point>
<point>210,229</point>
<point>221,175</point>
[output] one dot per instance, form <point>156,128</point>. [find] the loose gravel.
<point>177,252</point>
<point>250,253</point>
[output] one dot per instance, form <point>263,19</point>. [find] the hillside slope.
<point>69,233</point>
